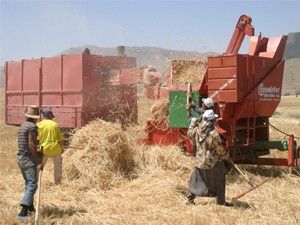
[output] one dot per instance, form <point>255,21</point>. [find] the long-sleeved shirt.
<point>209,145</point>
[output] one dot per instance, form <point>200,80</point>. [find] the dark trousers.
<point>208,183</point>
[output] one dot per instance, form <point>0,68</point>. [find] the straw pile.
<point>170,158</point>
<point>184,72</point>
<point>101,156</point>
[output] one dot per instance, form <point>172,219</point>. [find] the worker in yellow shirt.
<point>51,142</point>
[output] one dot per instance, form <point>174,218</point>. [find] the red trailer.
<point>78,88</point>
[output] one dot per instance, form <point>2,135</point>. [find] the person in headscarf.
<point>208,176</point>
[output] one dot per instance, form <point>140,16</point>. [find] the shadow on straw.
<point>54,211</point>
<point>265,171</point>
<point>240,204</point>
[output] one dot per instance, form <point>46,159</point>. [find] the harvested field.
<point>108,179</point>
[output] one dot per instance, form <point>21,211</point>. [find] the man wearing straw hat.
<point>51,142</point>
<point>208,177</point>
<point>29,159</point>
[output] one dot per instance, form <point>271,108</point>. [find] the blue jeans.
<point>29,173</point>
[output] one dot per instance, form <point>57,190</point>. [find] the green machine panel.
<point>178,115</point>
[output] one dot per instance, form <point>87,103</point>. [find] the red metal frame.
<point>242,28</point>
<point>247,90</point>
<point>160,134</point>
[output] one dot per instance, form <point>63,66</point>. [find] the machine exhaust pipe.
<point>121,50</point>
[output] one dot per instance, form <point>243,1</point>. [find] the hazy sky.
<point>45,28</point>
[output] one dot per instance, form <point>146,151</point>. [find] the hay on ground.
<point>156,193</point>
<point>166,158</point>
<point>100,155</point>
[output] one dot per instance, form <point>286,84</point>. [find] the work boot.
<point>31,209</point>
<point>23,215</point>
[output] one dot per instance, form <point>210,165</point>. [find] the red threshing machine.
<point>78,88</point>
<point>246,89</point>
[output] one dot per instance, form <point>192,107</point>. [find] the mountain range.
<point>160,58</point>
<point>156,57</point>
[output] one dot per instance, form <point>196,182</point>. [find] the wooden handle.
<point>251,189</point>
<point>253,185</point>
<point>36,218</point>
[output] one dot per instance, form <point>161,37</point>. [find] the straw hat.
<point>32,112</point>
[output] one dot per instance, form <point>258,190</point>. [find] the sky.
<point>33,29</point>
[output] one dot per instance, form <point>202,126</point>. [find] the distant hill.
<point>291,79</point>
<point>157,57</point>
<point>1,76</point>
<point>291,76</point>
<point>160,57</point>
<point>292,49</point>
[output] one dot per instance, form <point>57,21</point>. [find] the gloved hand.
<point>190,106</point>
<point>193,122</point>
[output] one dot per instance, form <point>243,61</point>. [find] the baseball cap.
<point>208,102</point>
<point>47,112</point>
<point>209,115</point>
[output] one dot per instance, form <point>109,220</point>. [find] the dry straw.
<point>188,71</point>
<point>108,179</point>
<point>101,155</point>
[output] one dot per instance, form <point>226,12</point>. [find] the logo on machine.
<point>268,93</point>
<point>225,85</point>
